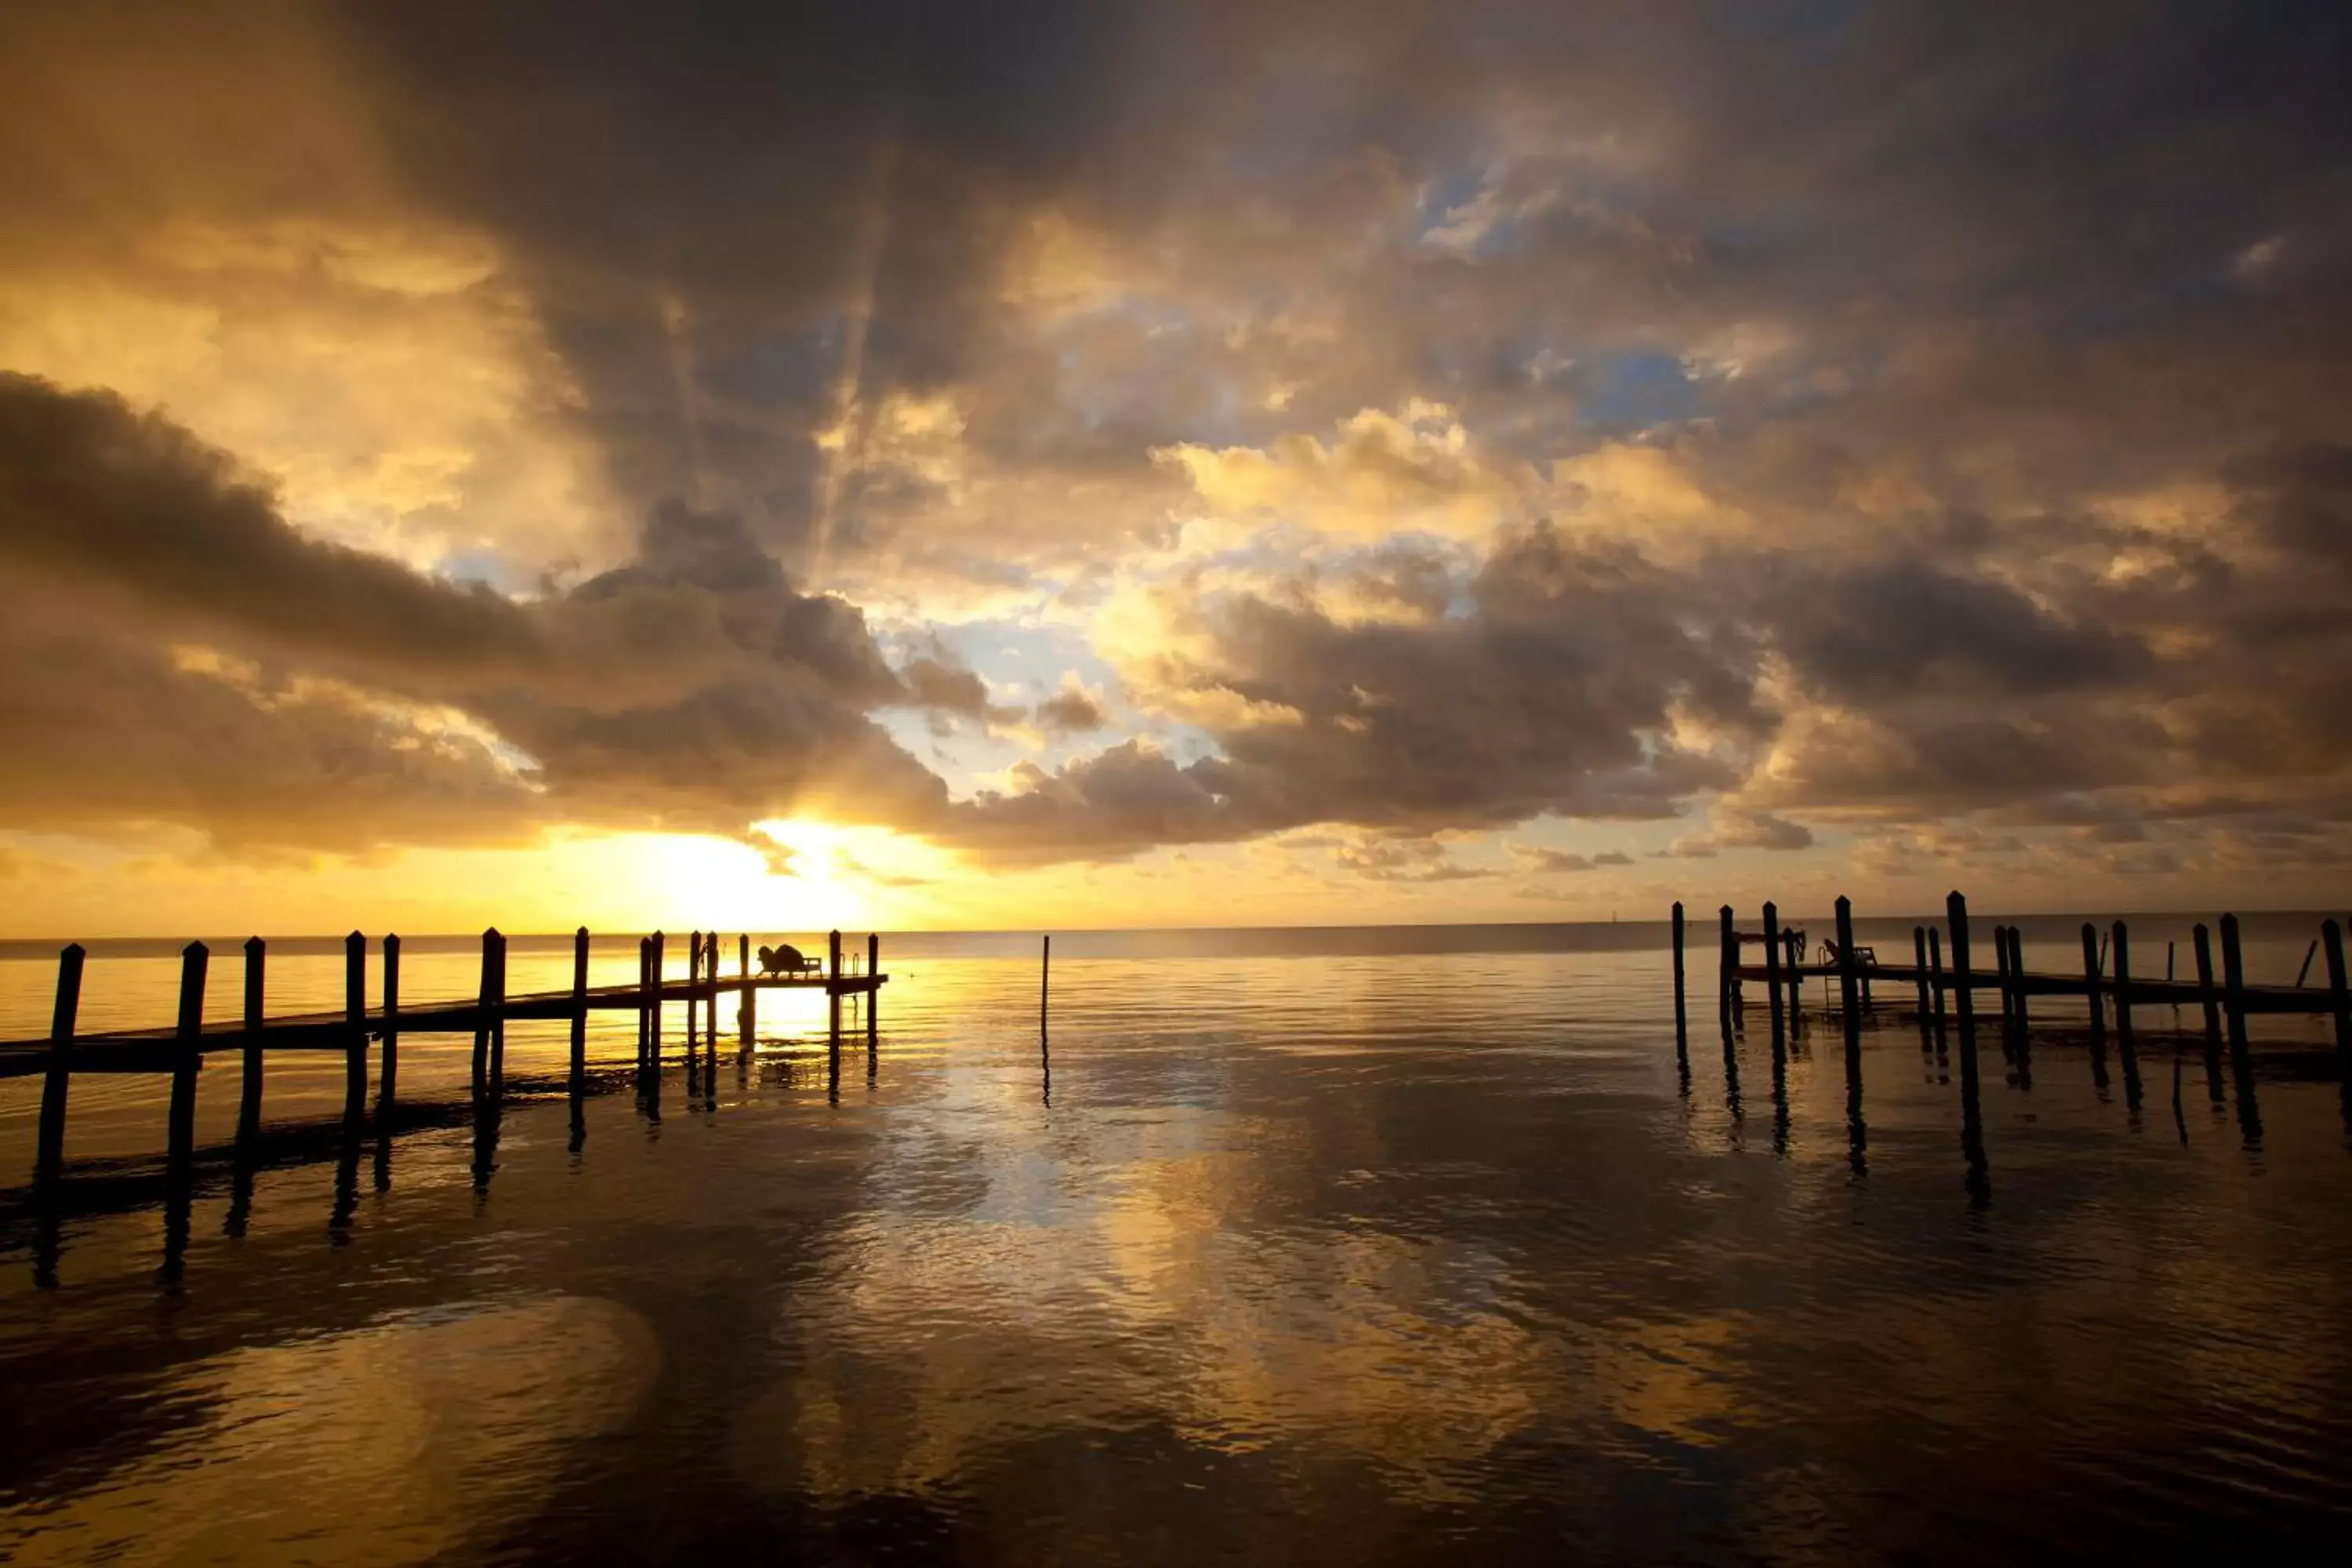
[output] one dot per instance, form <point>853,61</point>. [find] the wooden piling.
<point>645,998</point>
<point>1726,955</point>
<point>1772,977</point>
<point>745,1019</point>
<point>488,983</point>
<point>1955,916</point>
<point>1920,967</point>
<point>660,949</point>
<point>579,1010</point>
<point>187,1060</point>
<point>1682,1014</point>
<point>249,1098</point>
<point>2204,942</point>
<point>2000,978</point>
<point>2092,980</point>
<point>873,995</point>
<point>2017,979</point>
<point>388,1070</point>
<point>49,1156</point>
<point>1935,971</point>
<point>355,1072</point>
<point>2233,997</point>
<point>2120,935</point>
<point>833,985</point>
<point>1848,987</point>
<point>1045,982</point>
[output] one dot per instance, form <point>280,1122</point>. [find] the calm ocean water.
<point>1335,1247</point>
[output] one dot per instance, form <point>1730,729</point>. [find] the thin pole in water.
<point>50,1157</point>
<point>1045,982</point>
<point>188,1057</point>
<point>1681,1017</point>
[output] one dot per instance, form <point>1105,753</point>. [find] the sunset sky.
<point>931,465</point>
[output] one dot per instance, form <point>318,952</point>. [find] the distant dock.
<point>178,1051</point>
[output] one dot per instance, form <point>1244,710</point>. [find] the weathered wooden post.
<point>1848,989</point>
<point>874,990</point>
<point>2017,980</point>
<point>1681,1013</point>
<point>747,1021</point>
<point>2000,978</point>
<point>644,999</point>
<point>487,983</point>
<point>1955,916</point>
<point>1935,971</point>
<point>1727,958</point>
<point>1919,966</point>
<point>388,1071</point>
<point>2127,1041</point>
<point>2233,996</point>
<point>833,985</point>
<point>187,1058</point>
<point>1045,982</point>
<point>49,1158</point>
<point>579,1010</point>
<point>2091,983</point>
<point>249,1098</point>
<point>2204,942</point>
<point>498,1022</point>
<point>654,1036</point>
<point>1772,977</point>
<point>355,1028</point>
<point>2121,936</point>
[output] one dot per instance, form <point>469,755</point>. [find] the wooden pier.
<point>1945,982</point>
<point>178,1050</point>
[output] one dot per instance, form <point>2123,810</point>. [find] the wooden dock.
<point>179,1050</point>
<point>1946,981</point>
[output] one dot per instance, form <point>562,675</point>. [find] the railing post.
<point>1772,977</point>
<point>49,1157</point>
<point>187,1058</point>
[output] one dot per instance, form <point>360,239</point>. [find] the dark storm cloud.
<point>1922,302</point>
<point>691,688</point>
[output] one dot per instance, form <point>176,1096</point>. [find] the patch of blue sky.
<point>1636,390</point>
<point>489,567</point>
